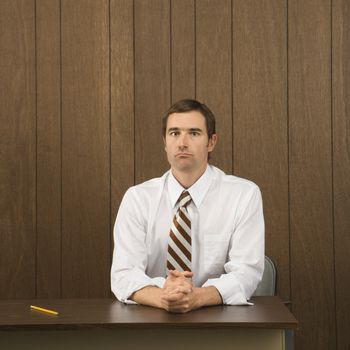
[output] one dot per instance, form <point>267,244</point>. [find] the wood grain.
<point>260,118</point>
<point>267,312</point>
<point>310,145</point>
<point>183,80</point>
<point>17,149</point>
<point>85,149</point>
<point>122,102</point>
<point>48,149</point>
<point>214,74</point>
<point>152,85</point>
<point>118,78</point>
<point>341,165</point>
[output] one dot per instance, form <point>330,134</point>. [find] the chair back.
<point>267,286</point>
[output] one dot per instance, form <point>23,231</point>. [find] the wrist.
<point>149,295</point>
<point>206,296</point>
<point>199,300</point>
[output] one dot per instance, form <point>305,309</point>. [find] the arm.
<point>185,302</point>
<point>129,282</point>
<point>149,295</point>
<point>206,296</point>
<point>178,294</point>
<point>130,252</point>
<point>245,264</point>
<point>190,299</point>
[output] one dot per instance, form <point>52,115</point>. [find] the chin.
<point>184,168</point>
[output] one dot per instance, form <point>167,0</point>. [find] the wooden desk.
<point>108,324</point>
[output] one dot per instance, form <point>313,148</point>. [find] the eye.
<point>194,133</point>
<point>174,133</point>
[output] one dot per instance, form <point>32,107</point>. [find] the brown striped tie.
<point>179,245</point>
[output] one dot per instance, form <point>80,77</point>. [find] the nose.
<point>183,141</point>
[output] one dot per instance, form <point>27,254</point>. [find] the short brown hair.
<point>191,105</point>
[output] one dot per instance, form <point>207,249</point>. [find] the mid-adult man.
<point>194,236</point>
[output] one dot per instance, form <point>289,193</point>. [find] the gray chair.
<point>267,287</point>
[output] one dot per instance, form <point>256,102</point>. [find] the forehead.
<point>187,120</point>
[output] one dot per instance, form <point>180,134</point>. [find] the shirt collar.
<point>197,191</point>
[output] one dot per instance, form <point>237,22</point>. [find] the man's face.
<point>186,141</point>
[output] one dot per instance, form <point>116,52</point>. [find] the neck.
<point>187,179</point>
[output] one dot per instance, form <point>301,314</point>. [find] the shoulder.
<point>233,183</point>
<point>147,190</point>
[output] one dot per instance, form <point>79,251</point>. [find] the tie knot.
<point>184,199</point>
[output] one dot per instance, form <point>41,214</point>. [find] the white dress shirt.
<point>227,228</point>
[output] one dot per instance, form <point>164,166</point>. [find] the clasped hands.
<point>179,294</point>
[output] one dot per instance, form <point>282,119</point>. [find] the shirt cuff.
<point>229,289</point>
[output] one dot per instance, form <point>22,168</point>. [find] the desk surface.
<point>267,312</point>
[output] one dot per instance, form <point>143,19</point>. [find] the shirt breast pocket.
<point>215,254</point>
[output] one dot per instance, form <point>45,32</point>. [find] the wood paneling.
<point>310,145</point>
<point>84,85</point>
<point>341,165</point>
<point>17,149</point>
<point>122,102</point>
<point>85,149</point>
<point>48,149</point>
<point>213,72</point>
<point>152,85</point>
<point>183,79</point>
<point>260,117</point>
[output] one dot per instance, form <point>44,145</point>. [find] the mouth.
<point>183,155</point>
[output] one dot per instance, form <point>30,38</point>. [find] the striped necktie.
<point>179,245</point>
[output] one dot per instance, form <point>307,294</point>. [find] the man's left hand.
<point>178,293</point>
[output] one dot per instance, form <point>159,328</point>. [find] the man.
<point>195,236</point>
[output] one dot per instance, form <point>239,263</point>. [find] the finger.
<point>172,307</point>
<point>175,273</point>
<point>187,274</point>
<point>173,276</point>
<point>172,304</point>
<point>172,297</point>
<point>173,283</point>
<point>177,297</point>
<point>181,308</point>
<point>179,290</point>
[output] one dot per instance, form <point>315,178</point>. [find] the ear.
<point>164,143</point>
<point>212,142</point>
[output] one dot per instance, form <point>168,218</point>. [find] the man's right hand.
<point>176,278</point>
<point>177,292</point>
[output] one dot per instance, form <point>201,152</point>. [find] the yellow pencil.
<point>43,310</point>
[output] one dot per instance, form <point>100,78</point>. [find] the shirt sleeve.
<point>246,254</point>
<point>130,251</point>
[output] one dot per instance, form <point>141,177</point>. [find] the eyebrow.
<point>190,129</point>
